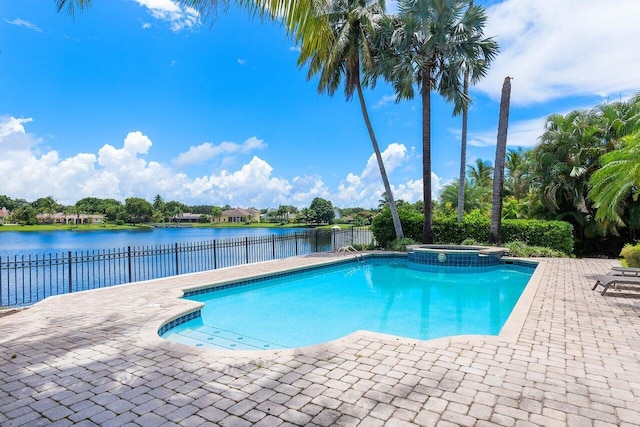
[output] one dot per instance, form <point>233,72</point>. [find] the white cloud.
<point>365,190</point>
<point>176,15</point>
<point>122,170</point>
<point>204,152</point>
<point>146,25</point>
<point>10,125</point>
<point>241,61</point>
<point>523,133</point>
<point>22,23</point>
<point>385,100</point>
<point>554,49</point>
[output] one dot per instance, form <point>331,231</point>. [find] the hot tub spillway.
<point>456,255</point>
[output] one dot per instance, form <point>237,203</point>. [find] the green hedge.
<point>556,235</point>
<point>382,226</point>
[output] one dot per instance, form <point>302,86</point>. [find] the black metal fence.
<point>28,279</point>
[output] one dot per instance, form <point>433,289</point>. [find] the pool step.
<point>210,337</point>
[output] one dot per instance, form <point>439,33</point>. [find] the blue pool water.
<point>390,296</point>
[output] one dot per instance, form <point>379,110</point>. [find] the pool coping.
<point>510,332</point>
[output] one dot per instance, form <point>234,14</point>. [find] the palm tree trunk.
<point>498,170</point>
<point>463,149</point>
<point>425,89</point>
<point>397,225</point>
<point>463,142</point>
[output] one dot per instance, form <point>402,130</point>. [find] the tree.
<point>7,202</point>
<point>306,215</point>
<point>46,206</point>
<point>481,174</point>
<point>463,138</point>
<point>158,203</point>
<point>216,213</point>
<point>617,184</point>
<point>297,16</point>
<point>26,214</point>
<point>322,210</point>
<point>88,204</point>
<point>516,166</point>
<point>139,210</point>
<point>352,23</point>
<point>430,44</point>
<point>174,210</point>
<point>567,155</point>
<point>476,196</point>
<point>115,212</point>
<point>498,171</point>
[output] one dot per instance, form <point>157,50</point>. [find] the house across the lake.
<point>240,215</point>
<point>189,217</point>
<point>5,215</point>
<point>66,218</point>
<point>231,215</point>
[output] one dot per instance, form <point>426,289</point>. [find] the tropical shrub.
<point>400,245</point>
<point>631,255</point>
<point>521,249</point>
<point>384,232</point>
<point>555,235</point>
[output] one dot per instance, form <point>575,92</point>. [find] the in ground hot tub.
<point>456,255</point>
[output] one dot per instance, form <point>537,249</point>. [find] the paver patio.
<point>93,358</point>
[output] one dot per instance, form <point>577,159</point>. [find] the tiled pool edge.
<point>515,322</point>
<point>195,312</point>
<point>510,331</point>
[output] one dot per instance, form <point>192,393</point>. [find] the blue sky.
<point>144,97</point>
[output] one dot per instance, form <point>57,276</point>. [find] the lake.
<point>36,265</point>
<point>44,242</point>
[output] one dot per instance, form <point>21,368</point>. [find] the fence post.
<point>296,233</point>
<point>215,257</point>
<point>70,272</point>
<point>246,249</point>
<point>334,239</point>
<point>273,246</point>
<point>129,262</point>
<point>176,246</point>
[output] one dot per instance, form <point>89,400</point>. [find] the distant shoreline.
<point>113,227</point>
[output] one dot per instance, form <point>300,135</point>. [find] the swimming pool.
<point>390,296</point>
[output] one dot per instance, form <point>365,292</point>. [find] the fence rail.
<point>25,280</point>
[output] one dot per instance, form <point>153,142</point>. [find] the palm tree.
<point>498,171</point>
<point>617,183</point>
<point>476,196</point>
<point>158,203</point>
<point>352,23</point>
<point>463,141</point>
<point>216,213</point>
<point>566,157</point>
<point>430,43</point>
<point>481,173</point>
<point>298,16</point>
<point>516,176</point>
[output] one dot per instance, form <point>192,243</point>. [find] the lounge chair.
<point>606,281</point>
<point>625,271</point>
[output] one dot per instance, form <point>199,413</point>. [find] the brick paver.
<point>571,357</point>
